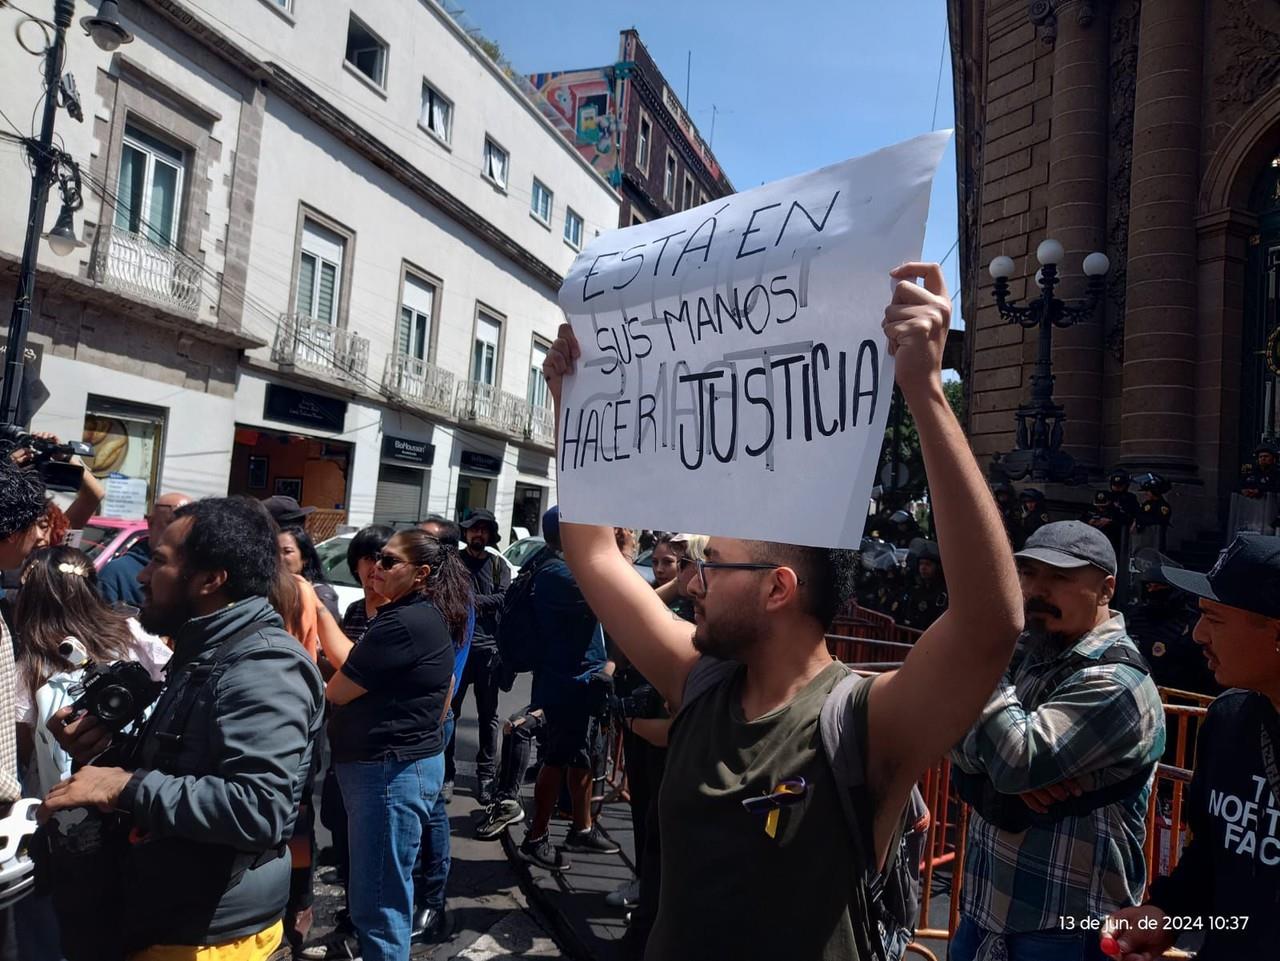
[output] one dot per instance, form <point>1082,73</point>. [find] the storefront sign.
<point>480,463</point>
<point>408,451</point>
<point>292,406</point>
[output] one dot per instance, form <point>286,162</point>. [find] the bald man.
<point>119,579</point>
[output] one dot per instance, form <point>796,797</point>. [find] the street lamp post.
<point>1039,453</point>
<point>108,34</point>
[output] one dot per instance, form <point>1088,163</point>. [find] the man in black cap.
<point>284,510</point>
<point>1151,526</point>
<point>1160,620</point>
<point>490,578</point>
<point>1058,767</point>
<point>1227,883</point>
<point>1007,500</point>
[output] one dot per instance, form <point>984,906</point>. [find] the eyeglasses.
<point>388,561</point>
<point>703,566</point>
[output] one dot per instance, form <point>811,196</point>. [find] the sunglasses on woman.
<point>388,561</point>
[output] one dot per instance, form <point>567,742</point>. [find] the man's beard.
<point>164,620</point>
<point>728,639</point>
<point>1037,613</point>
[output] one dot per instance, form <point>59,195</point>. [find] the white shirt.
<point>49,762</point>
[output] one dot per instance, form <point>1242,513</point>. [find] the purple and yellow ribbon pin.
<point>784,794</point>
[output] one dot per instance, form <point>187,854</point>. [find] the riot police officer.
<point>1261,477</point>
<point>926,599</point>
<point>1107,516</point>
<point>1122,497</point>
<point>1007,501</point>
<point>1160,621</point>
<point>1154,514</point>
<point>1034,514</point>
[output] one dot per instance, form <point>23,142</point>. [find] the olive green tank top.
<point>729,891</point>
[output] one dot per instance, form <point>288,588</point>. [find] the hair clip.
<point>66,567</point>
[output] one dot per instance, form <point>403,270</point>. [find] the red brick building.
<point>1151,131</point>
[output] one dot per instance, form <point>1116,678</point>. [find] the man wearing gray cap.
<point>1058,767</point>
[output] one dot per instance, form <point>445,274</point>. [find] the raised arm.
<point>920,711</point>
<point>658,643</point>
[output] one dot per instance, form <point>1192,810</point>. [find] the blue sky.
<point>797,85</point>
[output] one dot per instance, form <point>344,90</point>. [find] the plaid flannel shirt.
<point>10,785</point>
<point>1101,725</point>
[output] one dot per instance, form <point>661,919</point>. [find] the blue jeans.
<point>1055,945</point>
<point>388,812</point>
<point>432,873</point>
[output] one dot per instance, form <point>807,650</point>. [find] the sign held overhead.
<point>734,378</point>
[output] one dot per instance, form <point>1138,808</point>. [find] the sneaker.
<point>590,841</point>
<point>543,853</point>
<point>627,896</point>
<point>335,946</point>
<point>500,816</point>
<point>446,791</point>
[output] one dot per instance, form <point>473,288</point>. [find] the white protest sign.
<point>734,378</point>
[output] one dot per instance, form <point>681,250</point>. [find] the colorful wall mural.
<point>580,104</point>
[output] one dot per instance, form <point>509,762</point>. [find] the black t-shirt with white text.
<point>405,663</point>
<point>1227,883</point>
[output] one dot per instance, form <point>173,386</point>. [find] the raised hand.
<point>561,360</point>
<point>916,323</point>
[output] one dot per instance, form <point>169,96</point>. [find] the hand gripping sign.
<point>734,377</point>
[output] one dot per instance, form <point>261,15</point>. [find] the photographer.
<point>216,776</point>
<point>46,452</point>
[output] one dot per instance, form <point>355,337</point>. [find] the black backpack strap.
<point>198,678</point>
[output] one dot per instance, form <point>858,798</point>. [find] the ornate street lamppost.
<point>1038,454</point>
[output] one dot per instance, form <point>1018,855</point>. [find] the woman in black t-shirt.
<point>390,693</point>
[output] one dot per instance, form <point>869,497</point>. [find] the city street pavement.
<point>491,918</point>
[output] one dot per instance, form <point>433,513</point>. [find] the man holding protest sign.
<point>760,856</point>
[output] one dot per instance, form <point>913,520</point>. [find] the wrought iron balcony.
<point>135,266</point>
<point>490,407</point>
<point>542,425</point>
<point>419,382</point>
<point>320,348</point>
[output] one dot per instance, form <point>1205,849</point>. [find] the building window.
<point>285,5</point>
<point>688,191</point>
<point>366,52</point>
<point>437,113</point>
<point>149,190</point>
<point>669,179</point>
<point>539,394</point>
<point>319,272</point>
<point>637,218</point>
<point>643,141</point>
<point>541,202</point>
<point>495,163</point>
<point>572,229</point>
<point>413,338</point>
<point>702,197</point>
<point>484,356</point>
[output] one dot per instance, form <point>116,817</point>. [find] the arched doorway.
<point>1259,381</point>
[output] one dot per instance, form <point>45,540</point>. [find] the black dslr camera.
<point>50,458</point>
<point>643,702</point>
<point>116,694</point>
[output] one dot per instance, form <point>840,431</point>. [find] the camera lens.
<point>115,703</point>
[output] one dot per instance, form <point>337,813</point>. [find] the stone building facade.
<point>322,250</point>
<point>1150,131</point>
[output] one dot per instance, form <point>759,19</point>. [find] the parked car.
<point>520,552</point>
<point>106,538</point>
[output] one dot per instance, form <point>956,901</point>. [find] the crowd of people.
<point>172,720</point>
